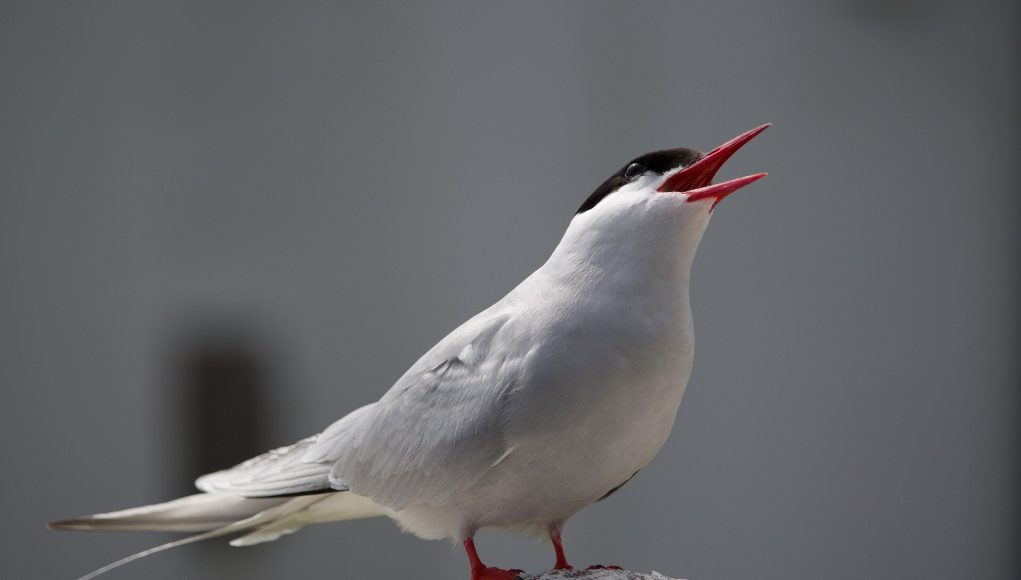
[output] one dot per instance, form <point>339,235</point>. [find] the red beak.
<point>695,179</point>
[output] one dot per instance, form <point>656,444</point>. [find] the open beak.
<point>696,180</point>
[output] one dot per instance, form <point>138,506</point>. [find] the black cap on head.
<point>658,162</point>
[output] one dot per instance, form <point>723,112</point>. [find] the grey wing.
<point>280,472</point>
<point>438,429</point>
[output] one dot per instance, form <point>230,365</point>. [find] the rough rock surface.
<point>595,575</point>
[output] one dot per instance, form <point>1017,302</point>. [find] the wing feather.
<point>437,430</point>
<point>278,472</point>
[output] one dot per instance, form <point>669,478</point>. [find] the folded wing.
<point>435,432</point>
<point>439,428</point>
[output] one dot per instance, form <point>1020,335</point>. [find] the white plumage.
<point>530,411</point>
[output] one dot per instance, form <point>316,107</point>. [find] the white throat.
<point>648,246</point>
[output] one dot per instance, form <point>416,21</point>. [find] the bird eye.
<point>633,170</point>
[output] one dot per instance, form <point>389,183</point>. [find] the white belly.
<point>578,432</point>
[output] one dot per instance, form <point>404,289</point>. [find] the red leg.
<point>558,547</point>
<point>482,572</point>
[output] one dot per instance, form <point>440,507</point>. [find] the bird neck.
<point>656,257</point>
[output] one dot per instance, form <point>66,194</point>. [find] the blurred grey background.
<point>224,225</point>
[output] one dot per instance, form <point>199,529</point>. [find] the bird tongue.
<point>695,179</point>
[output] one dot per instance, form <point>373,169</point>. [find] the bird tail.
<point>221,514</point>
<point>195,513</point>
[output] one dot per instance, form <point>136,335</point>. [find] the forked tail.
<point>221,514</point>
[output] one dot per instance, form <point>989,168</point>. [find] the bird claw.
<point>490,573</point>
<point>601,567</point>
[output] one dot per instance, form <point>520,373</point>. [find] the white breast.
<point>596,401</point>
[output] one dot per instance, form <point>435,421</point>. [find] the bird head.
<point>657,204</point>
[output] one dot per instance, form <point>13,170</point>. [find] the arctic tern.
<point>537,407</point>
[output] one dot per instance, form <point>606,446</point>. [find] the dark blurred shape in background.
<point>220,413</point>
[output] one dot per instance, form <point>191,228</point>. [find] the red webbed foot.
<point>490,573</point>
<point>482,572</point>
